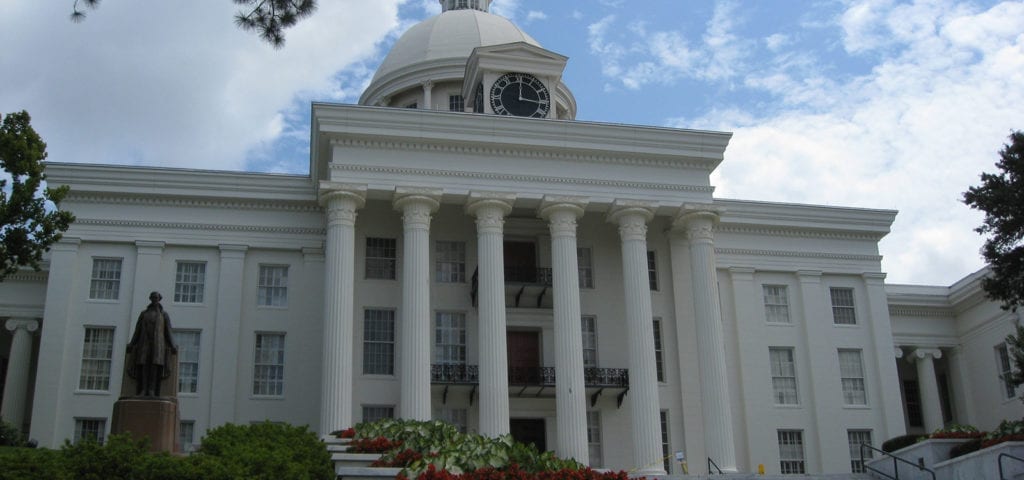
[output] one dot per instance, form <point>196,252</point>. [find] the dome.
<point>451,35</point>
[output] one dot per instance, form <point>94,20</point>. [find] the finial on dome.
<point>482,5</point>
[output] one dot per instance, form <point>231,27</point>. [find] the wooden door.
<point>523,357</point>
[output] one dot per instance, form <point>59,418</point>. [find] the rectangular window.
<point>381,258</point>
<point>268,373</point>
<point>378,342</point>
<point>450,258</point>
<point>842,306</point>
<point>187,435</point>
<point>450,338</point>
<point>589,342</point>
<point>106,279</point>
<point>912,400</point>
<point>90,429</point>
<point>272,286</point>
<point>783,376</point>
<point>652,270</point>
<point>594,439</point>
<point>776,304</point>
<point>456,417</point>
<point>455,103</point>
<point>659,357</point>
<point>1005,371</point>
<point>97,351</point>
<point>791,451</point>
<point>665,447</point>
<point>189,282</point>
<point>188,360</point>
<point>585,265</point>
<point>856,438</point>
<point>851,370</point>
<point>372,413</point>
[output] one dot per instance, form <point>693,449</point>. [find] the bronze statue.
<point>151,348</point>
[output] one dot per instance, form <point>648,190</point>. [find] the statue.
<point>151,349</point>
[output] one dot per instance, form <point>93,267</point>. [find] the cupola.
<point>482,5</point>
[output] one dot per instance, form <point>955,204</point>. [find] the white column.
<point>570,389</point>
<point>16,385</point>
<point>931,408</point>
<point>428,91</point>
<point>340,202</point>
<point>699,222</point>
<point>226,335</point>
<point>880,326</point>
<point>644,406</point>
<point>490,211</point>
<point>416,207</point>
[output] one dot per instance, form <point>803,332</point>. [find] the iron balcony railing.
<point>532,376</point>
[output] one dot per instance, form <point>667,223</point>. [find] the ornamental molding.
<point>911,311</point>
<point>783,253</point>
<point>503,177</point>
<point>796,232</point>
<point>200,226</point>
<point>180,202</point>
<point>463,149</point>
<point>29,276</point>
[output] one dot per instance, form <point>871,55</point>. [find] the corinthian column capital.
<point>490,210</point>
<point>698,221</point>
<point>632,218</point>
<point>562,213</point>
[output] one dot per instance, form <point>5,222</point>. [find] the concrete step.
<point>365,473</point>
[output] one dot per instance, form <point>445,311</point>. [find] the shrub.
<point>10,436</point>
<point>896,443</point>
<point>1007,431</point>
<point>31,464</point>
<point>957,431</point>
<point>965,448</point>
<point>263,451</point>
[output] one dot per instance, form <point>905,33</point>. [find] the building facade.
<point>463,249</point>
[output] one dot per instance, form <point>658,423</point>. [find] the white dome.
<point>451,35</point>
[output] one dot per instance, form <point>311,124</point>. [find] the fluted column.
<point>341,202</point>
<point>699,222</point>
<point>16,385</point>
<point>644,407</point>
<point>490,211</point>
<point>931,408</point>
<point>416,207</point>
<point>428,92</point>
<point>570,390</point>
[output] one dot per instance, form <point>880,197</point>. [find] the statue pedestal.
<point>155,418</point>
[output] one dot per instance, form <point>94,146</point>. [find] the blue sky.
<point>894,104</point>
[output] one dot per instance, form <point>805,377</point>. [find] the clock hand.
<point>521,91</point>
<point>539,102</point>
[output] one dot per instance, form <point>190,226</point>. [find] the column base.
<point>155,419</point>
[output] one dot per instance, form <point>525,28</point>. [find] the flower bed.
<point>373,445</point>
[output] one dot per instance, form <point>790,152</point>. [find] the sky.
<point>886,104</point>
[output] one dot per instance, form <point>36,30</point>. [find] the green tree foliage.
<point>29,227</point>
<point>267,18</point>
<point>1001,197</point>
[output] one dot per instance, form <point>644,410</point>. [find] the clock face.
<point>521,95</point>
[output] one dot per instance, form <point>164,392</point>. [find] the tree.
<point>1001,197</point>
<point>29,227</point>
<point>1015,350</point>
<point>268,18</point>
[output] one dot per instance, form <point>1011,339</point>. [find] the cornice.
<point>184,202</point>
<point>798,232</point>
<point>911,311</point>
<point>783,253</point>
<point>519,178</point>
<point>200,226</point>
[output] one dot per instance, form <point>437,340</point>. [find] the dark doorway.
<point>520,261</point>
<point>529,430</point>
<point>523,357</point>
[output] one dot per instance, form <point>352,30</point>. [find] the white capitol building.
<point>463,249</point>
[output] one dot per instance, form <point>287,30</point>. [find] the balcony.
<point>525,287</point>
<point>536,382</point>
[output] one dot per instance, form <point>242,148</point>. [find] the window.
<point>189,282</point>
<point>90,429</point>
<point>851,369</point>
<point>97,350</point>
<point>381,258</point>
<point>856,438</point>
<point>589,342</point>
<point>776,304</point>
<point>594,439</point>
<point>783,376</point>
<point>372,413</point>
<point>791,451</point>
<point>912,399</point>
<point>659,357</point>
<point>451,262</point>
<point>413,105</point>
<point>665,448</point>
<point>652,270</point>
<point>268,373</point>
<point>188,360</point>
<point>379,342</point>
<point>586,267</point>
<point>455,417</point>
<point>455,103</point>
<point>187,435</point>
<point>450,338</point>
<point>273,286</point>
<point>1005,371</point>
<point>106,279</point>
<point>842,306</point>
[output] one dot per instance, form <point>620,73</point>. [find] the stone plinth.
<point>155,418</point>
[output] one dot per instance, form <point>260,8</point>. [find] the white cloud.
<point>506,8</point>
<point>173,84</point>
<point>776,41</point>
<point>535,15</point>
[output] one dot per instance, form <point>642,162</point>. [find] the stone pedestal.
<point>154,418</point>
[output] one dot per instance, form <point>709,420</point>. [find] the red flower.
<point>347,433</point>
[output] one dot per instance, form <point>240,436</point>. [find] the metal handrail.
<point>895,464</point>
<point>712,462</point>
<point>1000,460</point>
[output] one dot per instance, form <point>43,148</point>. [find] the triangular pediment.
<point>512,57</point>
